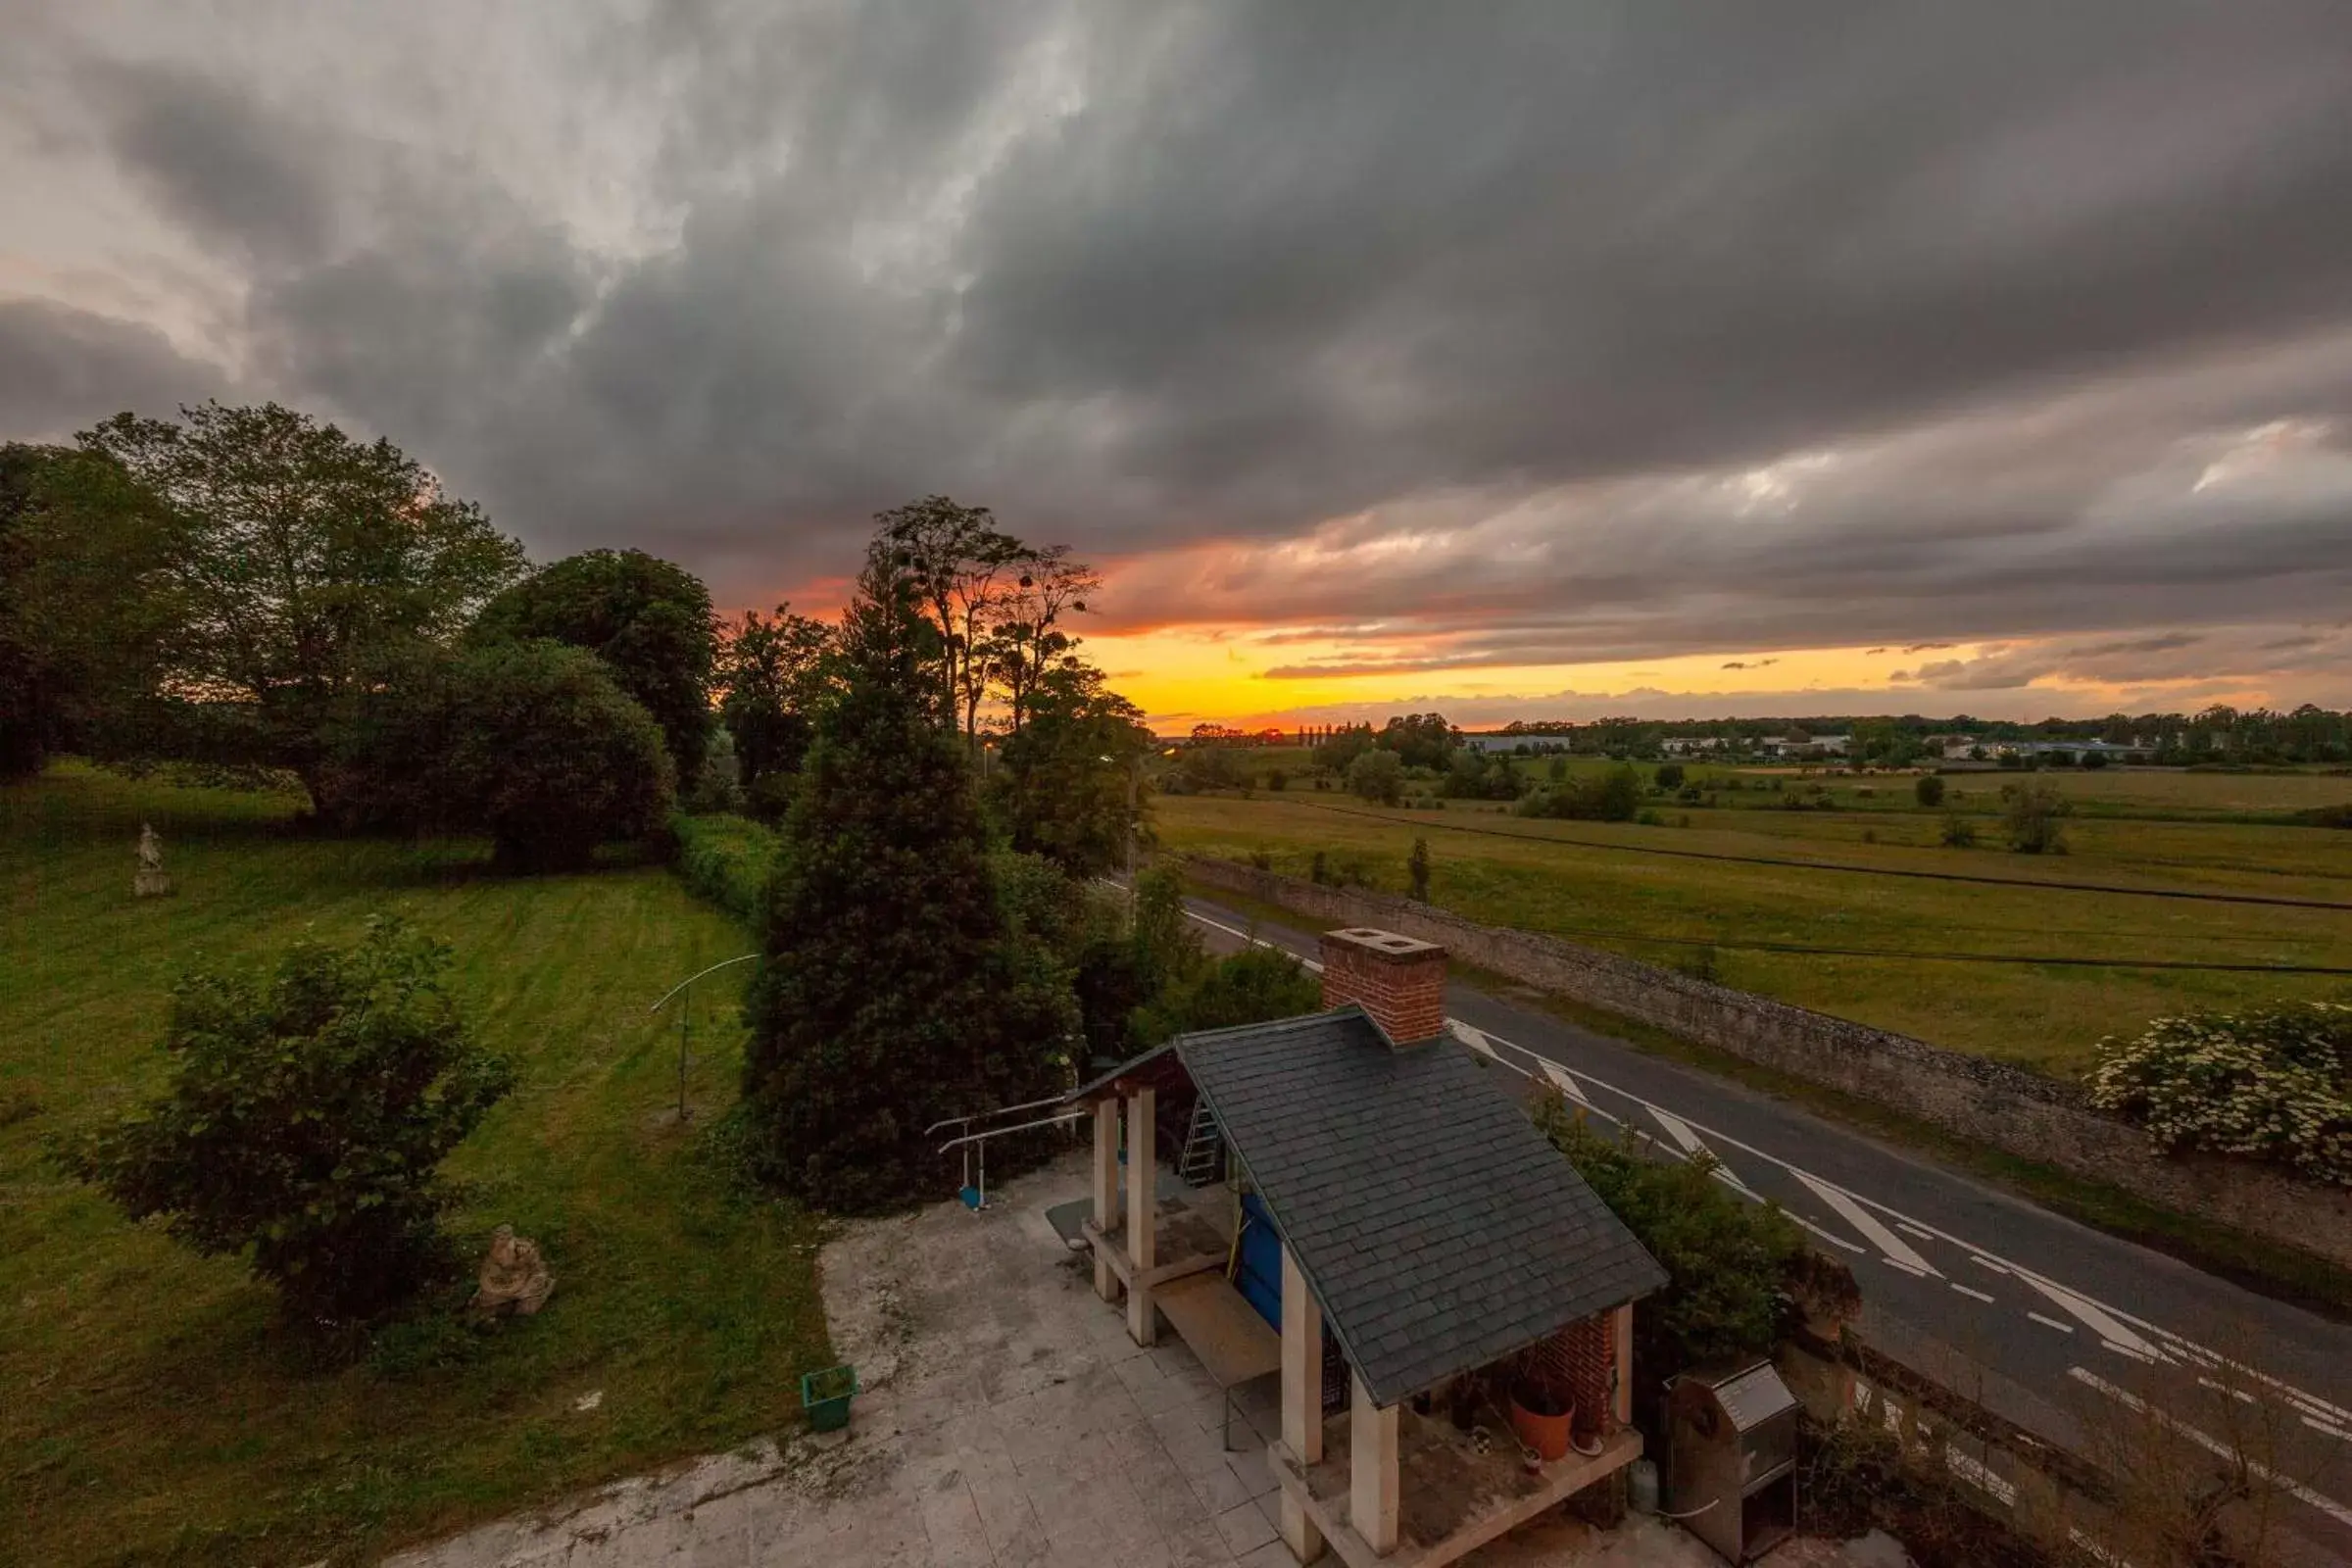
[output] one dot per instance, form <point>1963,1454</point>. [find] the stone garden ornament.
<point>151,882</point>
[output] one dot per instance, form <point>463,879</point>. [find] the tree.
<point>1068,785</point>
<point>1928,791</point>
<point>2035,817</point>
<point>306,1118</point>
<point>1347,742</point>
<point>1027,640</point>
<point>1377,776</point>
<point>534,742</point>
<point>1256,985</point>
<point>649,620</point>
<point>81,608</point>
<point>773,673</point>
<point>893,995</point>
<point>554,757</point>
<point>1416,867</point>
<point>1669,776</point>
<point>300,555</point>
<point>1420,740</point>
<point>957,565</point>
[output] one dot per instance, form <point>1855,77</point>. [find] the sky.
<point>1514,361</point>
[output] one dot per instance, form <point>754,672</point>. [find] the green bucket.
<point>826,1396</point>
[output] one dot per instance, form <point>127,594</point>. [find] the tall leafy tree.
<point>647,619</point>
<point>301,555</point>
<point>958,566</point>
<point>773,672</point>
<point>82,608</point>
<point>1027,641</point>
<point>1069,784</point>
<point>894,993</point>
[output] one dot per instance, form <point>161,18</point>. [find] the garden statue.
<point>514,1278</point>
<point>151,882</point>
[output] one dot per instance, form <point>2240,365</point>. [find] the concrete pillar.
<point>1302,1400</point>
<point>1620,1335</point>
<point>1371,1470</point>
<point>1106,1188</point>
<point>1143,1198</point>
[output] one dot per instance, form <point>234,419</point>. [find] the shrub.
<point>1377,776</point>
<point>2034,818</point>
<point>1611,797</point>
<point>1928,790</point>
<point>556,758</point>
<point>2273,1083</point>
<point>306,1120</point>
<point>1732,1267</point>
<point>1252,986</point>
<point>1416,868</point>
<point>1277,779</point>
<point>1959,833</point>
<point>1669,776</point>
<point>726,860</point>
<point>2095,759</point>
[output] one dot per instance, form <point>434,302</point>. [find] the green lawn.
<point>148,1412</point>
<point>1588,881</point>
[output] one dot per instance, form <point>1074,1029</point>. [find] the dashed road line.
<point>2111,1330</point>
<point>1908,1227</point>
<point>1982,1261</point>
<point>1965,1290</point>
<point>2052,1323</point>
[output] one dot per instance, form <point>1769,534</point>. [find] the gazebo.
<point>1424,1223</point>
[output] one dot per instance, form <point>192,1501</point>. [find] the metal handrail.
<point>970,1142</point>
<point>984,1116</point>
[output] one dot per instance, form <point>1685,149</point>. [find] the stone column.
<point>1143,1196</point>
<point>1302,1400</point>
<point>1106,1189</point>
<point>1372,1470</point>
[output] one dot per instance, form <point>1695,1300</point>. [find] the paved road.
<point>2076,1329</point>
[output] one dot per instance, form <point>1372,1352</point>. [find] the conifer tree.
<point>894,994</point>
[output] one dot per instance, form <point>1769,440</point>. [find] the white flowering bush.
<point>2273,1083</point>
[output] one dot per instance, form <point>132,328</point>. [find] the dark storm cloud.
<point>64,370</point>
<point>1564,333</point>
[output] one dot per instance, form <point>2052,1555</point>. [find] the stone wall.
<point>1987,1101</point>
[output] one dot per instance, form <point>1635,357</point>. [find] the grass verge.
<point>151,1411</point>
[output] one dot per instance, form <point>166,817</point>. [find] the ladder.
<point>1204,1158</point>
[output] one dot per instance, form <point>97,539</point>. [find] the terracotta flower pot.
<point>1548,1435</point>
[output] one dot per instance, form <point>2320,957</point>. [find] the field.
<point>151,1412</point>
<point>1907,951</point>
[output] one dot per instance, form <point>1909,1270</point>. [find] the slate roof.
<point>1437,1227</point>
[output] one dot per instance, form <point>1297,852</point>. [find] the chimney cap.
<point>1384,943</point>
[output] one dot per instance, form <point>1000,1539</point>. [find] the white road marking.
<point>2211,1444</point>
<point>1965,1290</point>
<point>2111,1330</point>
<point>1472,1038</point>
<point>1680,1131</point>
<point>1833,1239</point>
<point>1906,1225</point>
<point>1983,1261</point>
<point>1565,1082</point>
<point>2239,1395</point>
<point>2318,1425</point>
<point>2178,1344</point>
<point>1898,1252</point>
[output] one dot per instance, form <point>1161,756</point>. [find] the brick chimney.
<point>1400,981</point>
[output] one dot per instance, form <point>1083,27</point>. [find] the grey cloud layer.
<point>1503,338</point>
